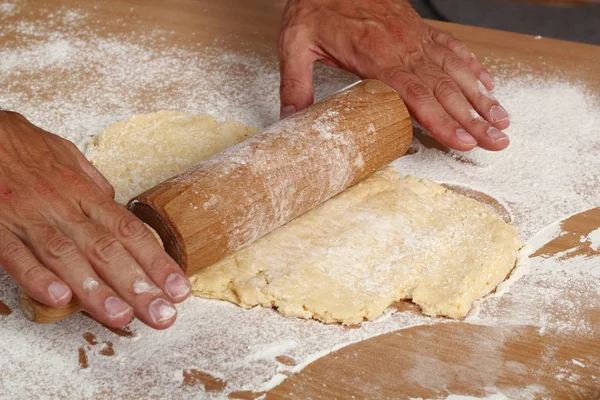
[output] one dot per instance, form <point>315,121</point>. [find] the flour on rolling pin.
<point>342,154</point>
<point>562,127</point>
<point>250,189</point>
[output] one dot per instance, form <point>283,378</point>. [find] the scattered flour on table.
<point>71,80</point>
<point>594,239</point>
<point>7,8</point>
<point>536,295</point>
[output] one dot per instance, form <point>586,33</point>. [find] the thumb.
<point>296,86</point>
<point>91,171</point>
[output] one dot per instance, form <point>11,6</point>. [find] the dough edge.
<point>216,282</point>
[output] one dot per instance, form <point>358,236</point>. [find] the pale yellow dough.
<point>385,239</point>
<point>137,154</point>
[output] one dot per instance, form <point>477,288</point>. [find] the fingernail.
<point>487,80</point>
<point>465,138</point>
<point>496,135</point>
<point>115,307</point>
<point>177,286</point>
<point>497,114</point>
<point>286,111</point>
<point>161,311</point>
<point>58,291</point>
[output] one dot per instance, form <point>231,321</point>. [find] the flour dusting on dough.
<point>133,75</point>
<point>138,153</point>
<point>380,241</point>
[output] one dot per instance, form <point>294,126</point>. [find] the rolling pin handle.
<point>43,314</point>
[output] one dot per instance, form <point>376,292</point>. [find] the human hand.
<point>445,88</point>
<point>63,235</point>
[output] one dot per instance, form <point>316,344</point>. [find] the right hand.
<point>63,235</point>
<point>445,88</point>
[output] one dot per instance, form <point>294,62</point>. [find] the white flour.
<point>90,284</point>
<point>594,239</point>
<point>72,81</point>
<point>140,287</point>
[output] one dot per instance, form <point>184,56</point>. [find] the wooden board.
<point>466,359</point>
<point>380,367</point>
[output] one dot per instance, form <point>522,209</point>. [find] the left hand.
<point>445,88</point>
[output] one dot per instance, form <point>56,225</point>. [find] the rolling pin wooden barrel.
<point>241,194</point>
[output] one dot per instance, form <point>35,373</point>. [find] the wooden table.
<point>374,368</point>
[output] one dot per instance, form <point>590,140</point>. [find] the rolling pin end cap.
<point>27,308</point>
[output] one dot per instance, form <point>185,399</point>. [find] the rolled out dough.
<point>382,240</point>
<point>137,154</point>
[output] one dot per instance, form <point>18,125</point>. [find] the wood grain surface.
<point>292,156</point>
<point>462,358</point>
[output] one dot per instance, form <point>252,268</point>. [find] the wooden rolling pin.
<point>250,189</point>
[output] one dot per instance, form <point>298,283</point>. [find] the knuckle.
<point>32,272</point>
<point>442,121</point>
<point>482,99</point>
<point>291,36</point>
<point>415,60</point>
<point>161,264</point>
<point>447,121</point>
<point>106,247</point>
<point>444,88</point>
<point>11,250</point>
<point>44,188</point>
<point>129,227</point>
<point>475,120</point>
<point>75,178</point>
<point>475,66</point>
<point>416,92</point>
<point>456,44</point>
<point>291,85</point>
<point>69,144</point>
<point>451,64</point>
<point>435,33</point>
<point>7,115</point>
<point>372,36</point>
<point>59,246</point>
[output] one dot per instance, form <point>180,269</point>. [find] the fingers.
<point>426,109</point>
<point>37,281</point>
<point>296,63</point>
<point>117,267</point>
<point>141,243</point>
<point>480,72</point>
<point>61,255</point>
<point>463,52</point>
<point>450,86</point>
<point>481,99</point>
<point>90,170</point>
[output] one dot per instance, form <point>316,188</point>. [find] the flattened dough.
<point>137,154</point>
<point>382,240</point>
<point>385,239</point>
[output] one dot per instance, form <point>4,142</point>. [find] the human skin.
<point>444,86</point>
<point>63,235</point>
